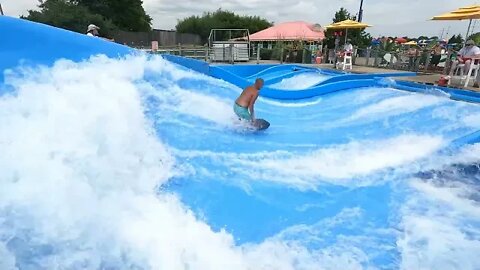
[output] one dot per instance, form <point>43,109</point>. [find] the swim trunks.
<point>242,112</point>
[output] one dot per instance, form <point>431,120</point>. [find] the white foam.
<point>81,167</point>
<point>290,104</point>
<point>7,260</point>
<point>396,106</point>
<point>302,81</point>
<point>210,108</point>
<point>440,228</point>
<point>345,252</point>
<point>81,163</point>
<point>339,164</point>
<point>441,216</point>
<point>472,120</point>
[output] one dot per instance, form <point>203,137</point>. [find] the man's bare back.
<point>248,95</point>
<point>247,99</point>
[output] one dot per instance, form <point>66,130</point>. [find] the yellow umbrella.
<point>411,42</point>
<point>463,13</point>
<point>347,24</point>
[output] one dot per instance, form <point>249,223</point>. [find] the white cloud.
<point>389,17</point>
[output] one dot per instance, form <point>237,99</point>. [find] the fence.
<point>195,52</point>
<point>164,38</point>
<point>231,54</point>
<point>399,60</point>
<point>282,55</point>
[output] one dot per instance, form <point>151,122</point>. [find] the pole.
<point>258,53</point>
<point>281,55</point>
<point>1,10</point>
<point>346,34</point>
<point>468,31</point>
<point>360,12</point>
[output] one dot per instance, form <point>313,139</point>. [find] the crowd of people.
<point>412,56</point>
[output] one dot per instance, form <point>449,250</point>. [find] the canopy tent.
<point>463,13</point>
<point>290,31</point>
<point>347,24</point>
<point>401,40</point>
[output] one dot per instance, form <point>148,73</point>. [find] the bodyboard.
<point>261,124</point>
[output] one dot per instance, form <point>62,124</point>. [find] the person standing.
<point>92,30</point>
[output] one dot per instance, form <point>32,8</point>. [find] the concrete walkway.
<point>424,78</point>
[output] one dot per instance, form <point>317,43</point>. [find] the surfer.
<point>244,105</point>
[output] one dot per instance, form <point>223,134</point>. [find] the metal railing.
<point>287,55</point>
<point>398,60</point>
<point>231,54</point>
<point>199,53</point>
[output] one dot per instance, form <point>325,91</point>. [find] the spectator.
<point>92,30</point>
<point>413,53</point>
<point>348,47</point>
<point>465,56</point>
<point>436,55</point>
<point>347,50</point>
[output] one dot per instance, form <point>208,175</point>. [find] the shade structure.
<point>401,40</point>
<point>412,42</point>
<point>347,24</point>
<point>297,30</point>
<point>463,13</point>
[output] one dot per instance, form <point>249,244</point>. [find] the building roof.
<point>290,31</point>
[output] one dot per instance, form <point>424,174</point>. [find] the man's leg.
<point>454,66</point>
<point>477,79</point>
<point>466,68</point>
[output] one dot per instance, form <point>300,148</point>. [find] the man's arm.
<point>251,105</point>
<point>460,55</point>
<point>476,52</point>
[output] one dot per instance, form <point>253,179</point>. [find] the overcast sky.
<point>389,17</point>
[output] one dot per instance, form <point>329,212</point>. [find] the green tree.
<point>201,25</point>
<point>76,15</point>
<point>69,15</point>
<point>388,45</point>
<point>359,37</point>
<point>342,15</point>
<point>127,15</point>
<point>475,37</point>
<point>455,39</point>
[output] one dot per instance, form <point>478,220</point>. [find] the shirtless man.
<point>243,106</point>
